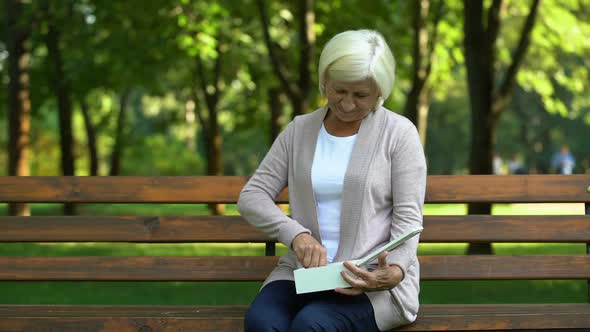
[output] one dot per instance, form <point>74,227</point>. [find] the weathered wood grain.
<point>92,318</point>
<point>225,189</point>
<point>256,268</point>
<point>473,228</point>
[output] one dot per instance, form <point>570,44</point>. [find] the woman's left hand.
<point>382,278</point>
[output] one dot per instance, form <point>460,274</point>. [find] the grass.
<point>539,291</point>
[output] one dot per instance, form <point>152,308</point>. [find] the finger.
<point>349,291</point>
<point>315,257</point>
<point>352,280</point>
<point>307,257</point>
<point>300,253</point>
<point>383,259</point>
<point>323,256</point>
<point>361,273</point>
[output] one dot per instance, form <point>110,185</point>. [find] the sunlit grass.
<point>127,292</point>
<point>253,249</point>
<point>509,209</point>
<point>445,209</point>
<point>131,249</point>
<point>504,291</point>
<point>538,209</point>
<point>42,209</point>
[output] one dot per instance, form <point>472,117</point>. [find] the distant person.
<point>515,165</point>
<point>497,164</point>
<point>563,162</point>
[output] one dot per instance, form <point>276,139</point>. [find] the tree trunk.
<point>215,163</point>
<point>210,125</point>
<point>274,103</point>
<point>19,103</point>
<point>480,76</point>
<point>300,106</point>
<point>214,160</point>
<point>306,40</point>
<point>62,91</point>
<point>90,138</point>
<point>118,147</point>
<point>486,101</point>
<point>417,102</point>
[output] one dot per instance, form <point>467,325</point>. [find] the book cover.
<point>328,277</point>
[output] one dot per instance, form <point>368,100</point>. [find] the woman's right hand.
<point>309,251</point>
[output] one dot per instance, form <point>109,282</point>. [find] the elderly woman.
<point>356,174</point>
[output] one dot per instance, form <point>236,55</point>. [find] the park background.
<point>97,87</point>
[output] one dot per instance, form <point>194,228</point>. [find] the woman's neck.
<point>338,128</point>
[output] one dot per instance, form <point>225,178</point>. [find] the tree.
<point>90,137</point>
<point>212,39</point>
<point>488,100</point>
<point>19,103</point>
<point>61,88</point>
<point>298,91</point>
<point>148,54</point>
<point>114,50</point>
<point>117,152</point>
<point>418,99</point>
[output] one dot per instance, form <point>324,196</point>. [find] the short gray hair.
<point>356,55</point>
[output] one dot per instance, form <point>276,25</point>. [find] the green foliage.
<point>151,49</point>
<point>173,158</point>
<point>556,67</point>
<point>447,123</point>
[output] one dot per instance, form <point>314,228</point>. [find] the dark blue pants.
<point>278,308</point>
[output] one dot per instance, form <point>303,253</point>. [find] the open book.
<point>328,277</point>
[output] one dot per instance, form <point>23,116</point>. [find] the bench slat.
<point>247,268</point>
<point>474,228</point>
<point>482,317</point>
<point>225,189</point>
<point>136,268</point>
<point>485,228</point>
<point>489,267</point>
<point>507,188</point>
<point>129,229</point>
<point>123,189</point>
<point>478,317</point>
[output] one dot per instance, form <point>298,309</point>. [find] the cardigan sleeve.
<point>408,185</point>
<point>256,202</point>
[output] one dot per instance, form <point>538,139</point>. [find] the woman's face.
<point>351,101</point>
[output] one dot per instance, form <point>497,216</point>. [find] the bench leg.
<point>270,249</point>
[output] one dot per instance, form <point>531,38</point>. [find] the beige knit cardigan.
<point>382,197</point>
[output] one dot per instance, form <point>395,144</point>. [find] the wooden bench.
<point>163,229</point>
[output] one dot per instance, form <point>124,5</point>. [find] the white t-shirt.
<point>330,162</point>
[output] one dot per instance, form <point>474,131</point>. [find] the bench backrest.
<point>225,189</point>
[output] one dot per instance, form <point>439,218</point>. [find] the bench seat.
<point>433,317</point>
<point>570,228</point>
